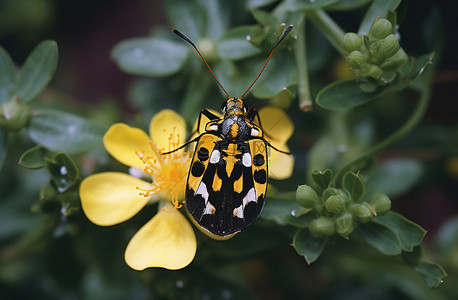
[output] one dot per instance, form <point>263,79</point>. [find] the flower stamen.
<point>168,172</point>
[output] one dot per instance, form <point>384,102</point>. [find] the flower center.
<point>168,172</point>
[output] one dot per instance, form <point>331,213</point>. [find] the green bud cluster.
<point>337,210</point>
<point>375,58</point>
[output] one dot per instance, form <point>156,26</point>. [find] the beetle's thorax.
<point>234,126</point>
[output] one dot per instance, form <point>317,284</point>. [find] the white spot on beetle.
<point>254,132</point>
<point>238,212</point>
<point>250,196</point>
<point>246,159</point>
<point>215,156</point>
<point>209,209</point>
<point>202,190</point>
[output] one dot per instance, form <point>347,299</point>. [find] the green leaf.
<point>234,79</point>
<point>264,18</point>
<point>409,233</point>
<point>3,146</point>
<point>322,178</point>
<point>8,79</point>
<point>379,8</point>
<point>395,176</point>
<point>381,237</point>
<point>354,184</point>
<point>294,5</point>
<point>412,258</point>
<point>150,56</point>
<point>64,173</point>
<point>344,5</point>
<point>281,74</point>
<point>432,273</point>
<point>345,94</point>
<point>216,16</point>
<point>307,245</point>
<point>61,131</point>
<point>283,98</point>
<point>186,16</point>
<point>37,70</point>
<point>196,92</point>
<point>234,44</point>
<point>34,158</point>
<point>286,212</point>
<point>258,3</point>
<point>323,154</point>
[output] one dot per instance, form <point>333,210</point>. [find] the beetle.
<point>227,179</point>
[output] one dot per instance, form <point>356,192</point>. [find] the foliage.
<point>345,210</point>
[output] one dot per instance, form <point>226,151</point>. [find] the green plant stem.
<point>328,27</point>
<point>198,87</point>
<point>300,51</point>
<point>408,126</point>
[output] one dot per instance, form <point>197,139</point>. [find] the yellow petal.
<point>167,130</point>
<point>276,124</point>
<point>280,164</point>
<point>122,142</point>
<point>166,241</point>
<point>110,198</point>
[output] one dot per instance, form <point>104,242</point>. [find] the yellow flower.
<point>277,128</point>
<point>109,198</point>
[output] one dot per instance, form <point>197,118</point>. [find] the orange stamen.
<point>166,171</point>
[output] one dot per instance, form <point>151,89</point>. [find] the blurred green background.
<point>47,256</point>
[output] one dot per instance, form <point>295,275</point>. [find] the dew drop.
<point>62,188</point>
<point>63,170</point>
<point>179,284</point>
<point>342,148</point>
<point>293,213</point>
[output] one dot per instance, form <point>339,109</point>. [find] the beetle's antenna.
<point>287,31</point>
<point>192,44</point>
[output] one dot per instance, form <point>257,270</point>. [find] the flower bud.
<point>381,204</point>
<point>352,41</point>
<point>344,225</point>
<point>368,87</point>
<point>335,204</point>
<point>380,29</point>
<point>323,226</point>
<point>13,114</point>
<point>306,196</point>
<point>330,191</point>
<point>375,49</point>
<point>372,71</point>
<point>390,45</point>
<point>208,49</point>
<point>395,62</point>
<point>356,59</point>
<point>361,212</point>
<point>387,77</point>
